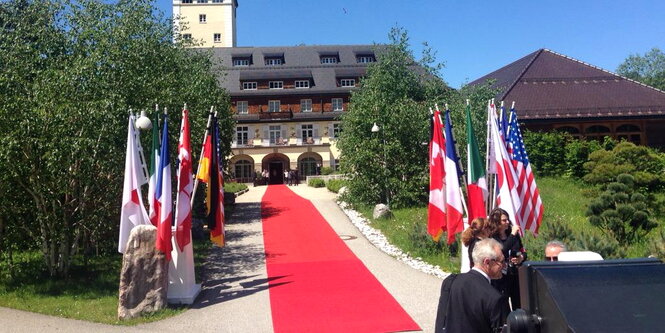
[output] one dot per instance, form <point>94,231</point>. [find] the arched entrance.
<point>309,164</point>
<point>242,168</point>
<point>275,164</point>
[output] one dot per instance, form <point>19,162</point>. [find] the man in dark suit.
<point>468,302</point>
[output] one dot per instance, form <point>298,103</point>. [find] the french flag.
<point>163,194</point>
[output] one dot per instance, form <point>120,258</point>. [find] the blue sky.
<point>472,38</point>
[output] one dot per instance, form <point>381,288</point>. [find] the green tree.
<point>69,73</point>
<point>621,212</point>
<point>396,94</point>
<point>648,69</point>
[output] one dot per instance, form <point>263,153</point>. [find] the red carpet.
<point>316,283</point>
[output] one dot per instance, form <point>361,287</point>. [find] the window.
<point>364,59</point>
<point>302,84</point>
<point>186,36</point>
<point>201,1</point>
<point>243,169</point>
<point>249,86</point>
<point>242,135</point>
<point>186,1</point>
<point>347,82</point>
<point>273,106</point>
<point>273,61</point>
<point>337,104</point>
<point>217,38</point>
<point>307,166</point>
<point>337,130</point>
<point>305,105</point>
<point>202,17</point>
<point>329,60</point>
<point>242,107</point>
<point>276,84</point>
<point>217,1</point>
<point>274,132</point>
<point>240,61</point>
<point>307,131</point>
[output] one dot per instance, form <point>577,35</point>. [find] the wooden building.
<point>555,92</point>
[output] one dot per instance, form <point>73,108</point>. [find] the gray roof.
<point>298,62</point>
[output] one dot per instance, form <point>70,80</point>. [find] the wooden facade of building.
<point>556,92</point>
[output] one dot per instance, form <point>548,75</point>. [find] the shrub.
<point>326,171</point>
<point>234,187</point>
<point>657,245</point>
<point>577,153</point>
<point>621,212</point>
<point>642,163</point>
<point>316,182</point>
<point>334,185</point>
<point>546,150</point>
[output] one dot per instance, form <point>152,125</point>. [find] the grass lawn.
<point>90,294</point>
<point>563,201</point>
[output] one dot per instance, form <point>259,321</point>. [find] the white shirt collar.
<point>483,273</point>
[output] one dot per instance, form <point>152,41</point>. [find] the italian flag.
<point>477,187</point>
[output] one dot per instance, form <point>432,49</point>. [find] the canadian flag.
<point>183,211</point>
<point>132,212</point>
<point>436,209</point>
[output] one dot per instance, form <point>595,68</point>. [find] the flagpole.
<point>491,177</point>
<point>198,168</point>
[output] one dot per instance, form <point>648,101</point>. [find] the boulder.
<point>144,276</point>
<point>381,211</point>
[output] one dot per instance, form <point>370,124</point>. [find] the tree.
<point>621,212</point>
<point>69,73</point>
<point>396,94</point>
<point>648,69</point>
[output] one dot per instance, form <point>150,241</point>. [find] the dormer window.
<point>365,58</point>
<point>274,59</point>
<point>329,59</point>
<point>301,84</point>
<point>242,60</point>
<point>347,82</point>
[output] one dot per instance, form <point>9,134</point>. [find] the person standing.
<point>508,235</point>
<point>468,302</point>
<point>480,228</point>
<point>286,176</point>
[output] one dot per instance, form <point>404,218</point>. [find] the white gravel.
<point>379,240</point>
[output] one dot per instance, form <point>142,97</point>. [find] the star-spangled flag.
<point>164,194</point>
<point>183,210</point>
<point>530,213</point>
<point>132,211</point>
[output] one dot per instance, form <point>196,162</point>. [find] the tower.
<point>212,23</point>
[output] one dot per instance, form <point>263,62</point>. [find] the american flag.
<point>530,213</point>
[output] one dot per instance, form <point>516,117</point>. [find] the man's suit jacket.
<point>475,306</point>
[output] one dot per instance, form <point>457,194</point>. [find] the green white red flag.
<point>477,192</point>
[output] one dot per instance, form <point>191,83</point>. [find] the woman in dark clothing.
<point>479,228</point>
<point>513,250</point>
